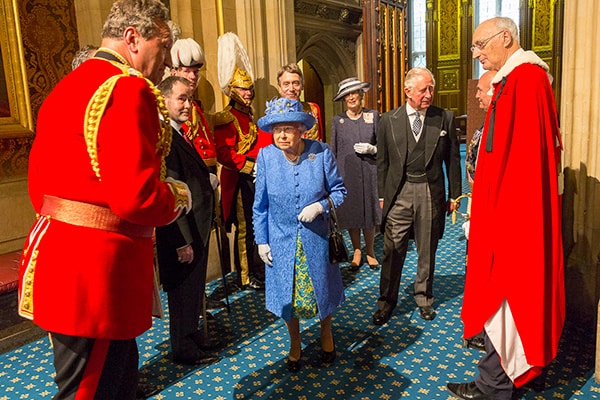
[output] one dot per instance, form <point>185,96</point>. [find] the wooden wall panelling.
<point>391,53</point>
<point>371,28</point>
<point>447,66</point>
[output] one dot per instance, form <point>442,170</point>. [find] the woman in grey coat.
<point>294,177</point>
<point>353,141</point>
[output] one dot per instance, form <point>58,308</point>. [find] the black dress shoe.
<point>427,313</point>
<point>212,304</point>
<point>209,316</point>
<point>294,366</point>
<point>327,357</point>
<point>381,316</point>
<point>200,358</point>
<point>254,284</point>
<point>476,342</point>
<point>467,391</point>
<point>145,390</point>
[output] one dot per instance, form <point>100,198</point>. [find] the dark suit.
<point>183,282</point>
<point>414,208</point>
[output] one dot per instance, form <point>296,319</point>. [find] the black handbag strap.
<point>332,216</point>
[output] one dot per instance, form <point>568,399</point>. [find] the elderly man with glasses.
<point>517,298</point>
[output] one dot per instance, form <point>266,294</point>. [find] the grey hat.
<point>350,85</point>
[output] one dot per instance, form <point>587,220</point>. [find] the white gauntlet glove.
<point>365,148</point>
<point>264,251</point>
<point>214,181</point>
<point>310,212</point>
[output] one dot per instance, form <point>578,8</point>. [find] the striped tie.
<point>417,124</point>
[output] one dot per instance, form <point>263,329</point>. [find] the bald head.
<point>483,89</point>
<point>494,41</point>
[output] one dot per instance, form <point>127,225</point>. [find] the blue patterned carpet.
<point>406,358</point>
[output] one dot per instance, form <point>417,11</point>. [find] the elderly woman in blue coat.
<point>293,180</point>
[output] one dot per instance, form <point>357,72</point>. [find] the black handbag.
<point>337,247</point>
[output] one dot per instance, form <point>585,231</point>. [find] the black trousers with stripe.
<point>98,369</point>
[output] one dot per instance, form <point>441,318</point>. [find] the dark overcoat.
<point>184,164</point>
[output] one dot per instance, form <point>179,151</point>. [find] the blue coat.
<point>282,191</point>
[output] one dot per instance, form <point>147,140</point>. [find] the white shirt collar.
<point>176,125</point>
<point>411,111</point>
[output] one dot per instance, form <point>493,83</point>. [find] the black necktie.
<point>489,141</point>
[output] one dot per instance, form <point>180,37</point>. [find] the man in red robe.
<point>517,297</point>
<point>96,181</point>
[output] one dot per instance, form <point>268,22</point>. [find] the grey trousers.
<point>411,210</point>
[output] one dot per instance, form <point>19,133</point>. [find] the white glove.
<point>214,181</point>
<point>465,226</point>
<point>253,173</point>
<point>310,212</point>
<point>365,148</point>
<point>264,251</point>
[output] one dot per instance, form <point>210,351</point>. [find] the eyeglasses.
<point>481,44</point>
<point>287,129</point>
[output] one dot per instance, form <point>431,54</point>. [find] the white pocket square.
<point>443,133</point>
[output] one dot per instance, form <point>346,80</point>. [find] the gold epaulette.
<point>97,106</point>
<point>224,117</point>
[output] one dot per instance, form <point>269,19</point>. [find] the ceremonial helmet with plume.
<point>234,66</point>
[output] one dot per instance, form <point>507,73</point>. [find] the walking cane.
<point>223,267</point>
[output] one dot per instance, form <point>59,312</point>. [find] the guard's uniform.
<point>198,130</point>
<point>238,141</point>
<point>87,266</point>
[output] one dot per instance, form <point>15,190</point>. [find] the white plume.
<point>231,53</point>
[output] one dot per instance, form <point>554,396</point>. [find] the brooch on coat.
<point>312,156</point>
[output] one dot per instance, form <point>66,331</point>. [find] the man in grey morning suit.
<point>413,141</point>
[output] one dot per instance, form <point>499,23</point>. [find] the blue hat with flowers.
<point>283,109</point>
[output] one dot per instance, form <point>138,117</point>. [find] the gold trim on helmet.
<point>241,78</point>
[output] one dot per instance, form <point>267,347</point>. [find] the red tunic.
<point>202,136</point>
<point>315,132</point>
<point>515,246</point>
<point>227,140</point>
<point>90,282</point>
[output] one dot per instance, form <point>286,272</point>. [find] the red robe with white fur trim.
<point>515,254</point>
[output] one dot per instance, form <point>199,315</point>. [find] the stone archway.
<point>332,59</point>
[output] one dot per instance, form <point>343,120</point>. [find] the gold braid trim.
<point>224,117</point>
<point>246,140</point>
<point>313,132</point>
<point>97,106</point>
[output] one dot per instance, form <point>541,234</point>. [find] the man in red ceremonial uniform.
<point>96,180</point>
<point>238,141</point>
<point>517,298</point>
<point>188,57</point>
<point>290,82</point>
